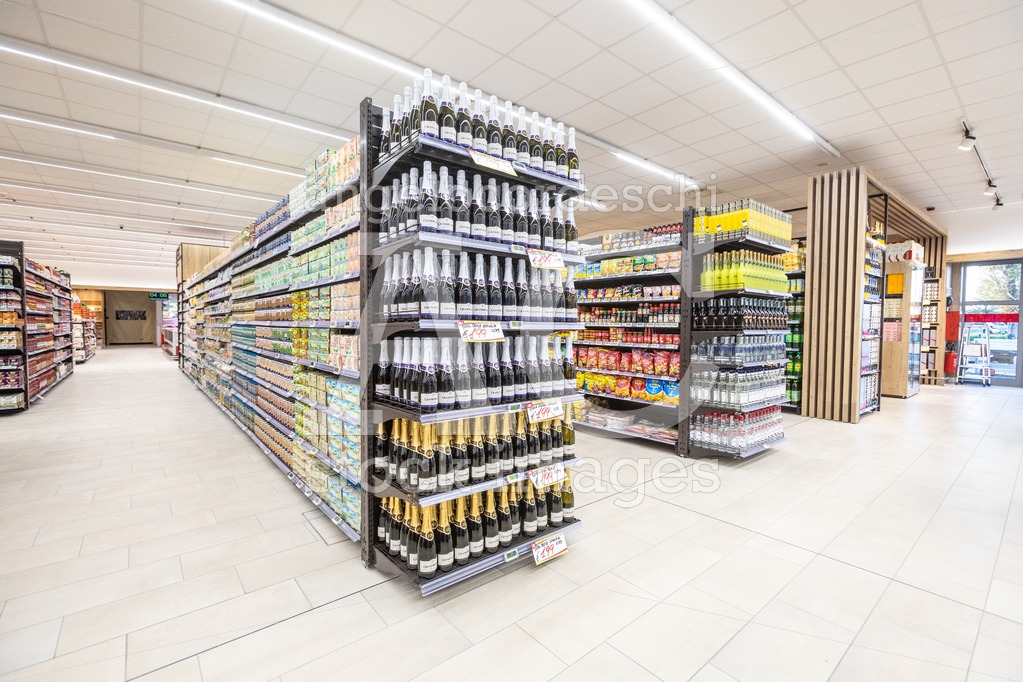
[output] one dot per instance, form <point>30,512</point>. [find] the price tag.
<point>493,163</point>
<point>480,331</point>
<point>336,519</point>
<point>548,475</point>
<point>291,476</point>
<point>515,478</point>
<point>511,555</point>
<point>519,249</point>
<point>317,501</point>
<point>550,260</point>
<point>542,410</point>
<point>545,550</point>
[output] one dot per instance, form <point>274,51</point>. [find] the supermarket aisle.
<point>140,529</point>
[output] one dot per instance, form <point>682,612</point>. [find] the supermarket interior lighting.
<point>257,167</point>
<point>989,191</point>
<point>78,131</point>
<point>969,141</point>
<point>652,167</point>
<point>59,209</point>
<point>100,197</point>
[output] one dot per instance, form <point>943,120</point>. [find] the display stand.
<point>795,270</point>
<point>901,330</point>
<point>932,339</point>
<point>871,314</point>
<point>13,377</point>
<point>48,332</point>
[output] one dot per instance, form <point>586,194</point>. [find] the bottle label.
<point>428,567</point>
<point>428,399</point>
<point>429,308</point>
<point>479,144</point>
<point>558,453</point>
<point>395,545</point>
<point>463,396</point>
<point>562,170</point>
<point>392,470</point>
<point>447,309</point>
<point>445,480</point>
<point>445,225</point>
<point>478,231</point>
<point>541,522</point>
<point>494,233</point>
<point>510,154</point>
<point>557,517</point>
<point>464,310</point>
<point>447,133</point>
<point>495,312</point>
<point>404,552</point>
<point>461,553</point>
<point>493,468</point>
<point>546,456</point>
<point>494,149</point>
<point>462,228</point>
<point>508,393</point>
<point>429,128</point>
<point>550,166</point>
<point>536,161</point>
<point>536,312</point>
<point>461,477</point>
<point>479,473</point>
<point>381,533</point>
<point>521,462</point>
<point>465,139</point>
<point>380,464</point>
<point>413,478</point>
<point>413,559</point>
<point>446,559</point>
<point>533,459</point>
<point>413,397</point>
<point>490,542</point>
<point>569,450</point>
<point>545,388</point>
<point>494,393</point>
<point>475,546</point>
<point>412,224</point>
<point>428,221</point>
<point>529,526</point>
<point>522,157</point>
<point>480,311</point>
<point>534,240</point>
<point>507,235</point>
<point>427,484</point>
<point>574,174</point>
<point>479,395</point>
<point>446,398</point>
<point>383,389</point>
<point>504,536</point>
<point>569,513</point>
<point>559,244</point>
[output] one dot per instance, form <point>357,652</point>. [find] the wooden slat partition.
<point>836,223</point>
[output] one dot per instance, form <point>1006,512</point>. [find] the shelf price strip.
<point>542,410</point>
<point>484,332</point>
<point>494,164</point>
<point>549,548</point>
<point>548,475</point>
<point>550,260</point>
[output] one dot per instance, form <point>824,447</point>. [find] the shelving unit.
<point>84,328</point>
<point>796,272</point>
<point>932,340</point>
<point>871,319</point>
<point>901,334</point>
<point>13,377</point>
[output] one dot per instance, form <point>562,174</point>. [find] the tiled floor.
<point>143,536</point>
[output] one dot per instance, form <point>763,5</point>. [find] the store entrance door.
<point>130,317</point>
<point>990,296</point>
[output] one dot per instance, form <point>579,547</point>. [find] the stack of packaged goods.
<point>742,219</point>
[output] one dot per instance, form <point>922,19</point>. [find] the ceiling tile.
<point>816,90</point>
<point>647,49</point>
<point>555,49</point>
<point>897,63</point>
<point>253,90</point>
<point>875,151</point>
<point>909,88</point>
<point>958,37</point>
<point>22,21</point>
<point>827,18</point>
<point>556,100</point>
<point>594,116</point>
<point>384,22</point>
<point>704,17</point>
<point>791,68</point>
<point>695,131</point>
<point>271,66</point>
<point>113,47</point>
<point>992,88</point>
<point>126,120</point>
<point>181,68</point>
<point>516,21</point>
<point>316,108</point>
<point>553,7</point>
<point>931,123</point>
<point>625,132</point>
<point>743,154</point>
<point>509,79</point>
<point>332,14</point>
<point>759,42</point>
<point>903,111</point>
<point>833,109</point>
<point>652,146</point>
<point>638,96</point>
<point>718,96</point>
<point>725,142</point>
<point>601,75</point>
<point>993,62</point>
<point>670,114</point>
<point>451,51</point>
<point>605,22</point>
<point>900,27</point>
<point>685,75</point>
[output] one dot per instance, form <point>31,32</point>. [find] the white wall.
<point>982,229</point>
<point>100,276</point>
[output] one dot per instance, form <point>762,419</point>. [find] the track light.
<point>968,142</point>
<point>989,191</point>
<point>998,203</point>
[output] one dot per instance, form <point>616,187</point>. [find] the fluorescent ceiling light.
<point>262,168</point>
<point>969,141</point>
<point>989,191</point>
<point>666,22</point>
<point>101,197</point>
<point>38,207</point>
<point>52,125</point>
<point>47,164</point>
<point>107,230</point>
<point>141,83</point>
<point>653,168</point>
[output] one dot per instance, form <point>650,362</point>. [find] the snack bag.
<point>622,387</point>
<point>637,361</point>
<point>670,392</point>
<point>648,363</point>
<point>655,390</point>
<point>660,363</point>
<point>675,365</point>
<point>639,389</point>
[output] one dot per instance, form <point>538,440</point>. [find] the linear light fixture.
<point>40,207</point>
<point>48,164</point>
<point>107,231</point>
<point>257,167</point>
<point>674,29</point>
<point>101,197</point>
<point>79,131</point>
<point>653,168</point>
<point>148,83</point>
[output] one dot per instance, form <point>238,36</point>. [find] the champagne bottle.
<point>477,211</point>
<point>568,435</point>
<point>521,139</point>
<point>479,125</point>
<point>555,506</point>
<point>558,225</point>
<point>445,541</point>
<point>480,297</point>
<point>429,397</point>
<point>535,144</point>
<point>532,446</point>
<point>387,291</point>
<point>397,525</point>
<point>406,115</point>
<point>383,523</point>
<point>573,158</point>
<point>394,215</point>
<point>504,446</point>
<point>446,113</point>
<point>463,289</point>
<point>383,383</point>
<point>492,213</point>
<point>571,230</point>
<point>402,208</point>
<point>521,237</point>
<point>396,118</point>
<point>412,543</point>
<point>561,152</point>
<point>546,227</point>
<point>475,523</point>
<point>385,216</point>
<point>558,290</point>
<point>446,289</point>
<point>507,373</point>
<point>529,520</point>
<point>545,369</point>
<point>491,535</point>
<point>509,299</point>
<point>415,453</point>
<point>428,546</point>
<point>405,294</point>
<point>428,462</point>
<point>460,455</point>
<point>460,533</point>
<point>415,372</point>
<point>532,370</point>
<point>571,298</point>
<point>406,529</point>
<point>567,499</point>
<point>542,512</point>
<point>494,134</point>
<point>477,455</point>
<point>445,378</point>
<point>493,374</point>
<point>520,458</point>
<point>515,508</point>
<point>443,455</point>
<point>412,204</point>
<point>535,296</point>
<point>380,461</point>
<point>495,297</point>
<point>557,442</point>
<point>445,207</point>
<point>429,303</point>
<point>570,383</point>
<point>416,115</point>
<point>504,529</point>
<point>463,119</point>
<point>463,380</point>
<point>546,297</point>
<point>478,376</point>
<point>509,146</point>
<point>394,453</point>
<point>428,200</point>
<point>519,371</point>
<point>398,370</point>
<point>462,213</point>
<point>558,387</point>
<point>550,158</point>
<point>507,216</point>
<point>430,114</point>
<point>535,240</point>
<point>524,312</point>
<point>490,449</point>
<point>546,445</point>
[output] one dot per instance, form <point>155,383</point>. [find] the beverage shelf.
<point>386,329</point>
<point>382,488</point>
<point>633,251</point>
<point>631,434</point>
<point>699,335</point>
<point>294,220</point>
<point>259,293</point>
<point>350,226</point>
<point>520,547</point>
<point>701,246</point>
<point>351,374</point>
<point>707,450</point>
<point>265,384</point>
<point>584,282</point>
<point>758,293</point>
<point>265,258</point>
<point>308,324</point>
<point>737,409</point>
<point>619,301</point>
<point>332,411</point>
<point>386,410</point>
<point>795,274</point>
<point>738,365</point>
<point>456,244</point>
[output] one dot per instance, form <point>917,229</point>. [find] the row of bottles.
<point>423,375</point>
<point>739,312</point>
<point>740,349</point>
<point>743,270</point>
<point>644,313</point>
<point>436,458</point>
<point>736,432</point>
<point>429,203</point>
<point>738,388</point>
<point>413,289</point>
<point>468,125</point>
<point>437,538</point>
<point>743,218</point>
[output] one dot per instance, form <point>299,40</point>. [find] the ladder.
<point>975,354</point>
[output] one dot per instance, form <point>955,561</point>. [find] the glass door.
<point>991,297</point>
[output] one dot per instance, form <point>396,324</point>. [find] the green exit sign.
<point>158,295</point>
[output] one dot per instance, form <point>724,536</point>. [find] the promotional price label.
<point>542,410</point>
<point>494,164</point>
<point>550,260</point>
<point>480,331</point>
<point>545,550</point>
<point>548,475</point>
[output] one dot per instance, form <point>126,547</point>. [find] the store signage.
<point>550,260</point>
<point>548,475</point>
<point>158,295</point>
<point>480,331</point>
<point>549,548</point>
<point>492,163</point>
<point>542,410</point>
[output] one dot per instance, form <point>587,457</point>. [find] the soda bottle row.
<point>738,387</point>
<point>739,312</point>
<point>743,270</point>
<point>736,432</point>
<point>740,349</point>
<point>648,313</point>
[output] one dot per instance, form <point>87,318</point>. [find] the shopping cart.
<point>975,354</point>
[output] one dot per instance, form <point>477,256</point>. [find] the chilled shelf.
<point>702,246</point>
<point>757,293</point>
<point>619,301</point>
<point>738,409</point>
<point>711,333</point>
<point>641,325</point>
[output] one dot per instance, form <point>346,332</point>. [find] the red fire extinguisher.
<point>950,363</point>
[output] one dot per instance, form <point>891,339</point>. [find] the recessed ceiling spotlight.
<point>989,191</point>
<point>823,165</point>
<point>930,208</point>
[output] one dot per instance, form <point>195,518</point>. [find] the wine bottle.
<point>532,370</point>
<point>546,227</point>
<point>519,371</point>
<point>460,533</point>
<point>545,369</point>
<point>561,152</point>
<point>506,216</point>
<point>402,308</point>
<point>543,430</point>
<point>412,205</point>
<point>416,115</point>
<point>415,453</point>
<point>494,134</point>
<point>427,200</point>
<point>550,158</point>
<point>492,213</point>
<point>475,523</point>
<point>445,543</point>
<point>507,373</point>
<point>463,289</point>
<point>415,372</point>
<point>430,113</point>
<point>445,378</point>
<point>395,452</point>
<point>383,379</point>
<point>428,561</point>
<point>529,520</point>
<point>460,455</point>
<point>394,215</point>
<point>385,215</point>
<point>406,528</point>
<point>397,524</point>
<point>402,209</point>
<point>380,463</point>
<point>571,298</point>
<point>504,446</point>
<point>509,299</point>
<point>429,304</point>
<point>406,115</point>
<point>442,454</point>
<point>570,382</point>
<point>504,534</point>
<point>493,369</point>
<point>535,297</point>
<point>479,125</point>
<point>412,543</point>
<point>429,396</point>
<point>533,446</point>
<point>495,297</point>
<point>522,307</point>
<point>428,461</point>
<point>542,518</point>
<point>398,371</point>
<point>546,297</point>
<point>383,523</point>
<point>558,225</point>
<point>463,380</point>
<point>535,241</point>
<point>535,144</point>
<point>446,289</point>
<point>557,442</point>
<point>463,119</point>
<point>573,158</point>
<point>477,453</point>
<point>555,506</point>
<point>558,370</point>
<point>521,140</point>
<point>567,499</point>
<point>478,375</point>
<point>491,535</point>
<point>568,435</point>
<point>445,207</point>
<point>514,510</point>
<point>509,146</point>
<point>521,237</point>
<point>415,292</point>
<point>462,213</point>
<point>491,455</point>
<point>558,290</point>
<point>520,457</point>
<point>446,113</point>
<point>396,117</point>
<point>387,291</point>
<point>477,211</point>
